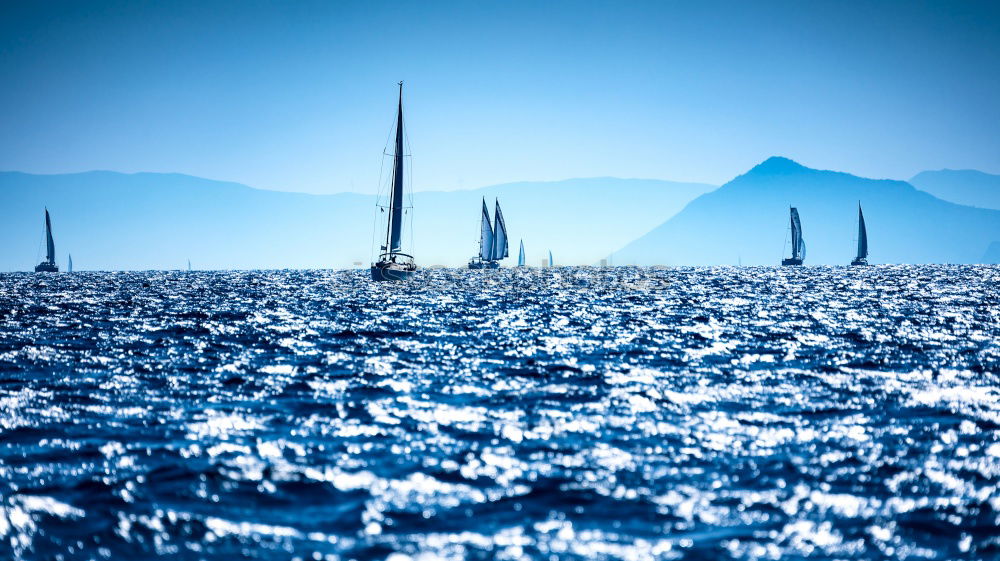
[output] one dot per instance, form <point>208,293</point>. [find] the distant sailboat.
<point>862,256</point>
<point>69,268</point>
<point>482,260</point>
<point>493,244</point>
<point>520,255</point>
<point>189,265</point>
<point>392,263</point>
<point>49,265</point>
<point>550,258</point>
<point>798,244</point>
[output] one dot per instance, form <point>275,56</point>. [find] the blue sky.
<point>299,95</point>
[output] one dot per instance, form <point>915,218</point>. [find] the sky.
<point>300,96</point>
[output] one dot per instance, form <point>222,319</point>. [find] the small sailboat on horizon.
<point>393,264</point>
<point>862,256</point>
<point>492,240</point>
<point>49,265</point>
<point>550,258</point>
<point>520,256</point>
<point>69,268</point>
<point>798,244</point>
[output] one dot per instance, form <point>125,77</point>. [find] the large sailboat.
<point>798,244</point>
<point>520,255</point>
<point>392,263</point>
<point>493,245</point>
<point>862,257</point>
<point>49,265</point>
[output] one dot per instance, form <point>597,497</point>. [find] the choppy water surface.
<point>620,414</point>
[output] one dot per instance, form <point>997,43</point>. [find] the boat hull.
<point>791,261</point>
<point>859,262</point>
<point>383,271</point>
<point>484,265</point>
<point>46,268</point>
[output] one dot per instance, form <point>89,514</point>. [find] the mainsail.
<point>396,197</point>
<point>70,268</point>
<point>486,237</point>
<point>862,235</point>
<point>520,255</point>
<point>500,237</point>
<point>50,246</point>
<point>550,258</point>
<point>798,244</point>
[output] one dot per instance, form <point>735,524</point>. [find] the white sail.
<point>862,235</point>
<point>486,236</point>
<point>798,244</point>
<point>520,255</point>
<point>50,246</point>
<point>500,249</point>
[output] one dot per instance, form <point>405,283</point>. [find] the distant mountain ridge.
<point>115,221</point>
<point>965,186</point>
<point>746,220</point>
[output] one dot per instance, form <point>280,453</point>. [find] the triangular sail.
<point>50,246</point>
<point>862,236</point>
<point>520,255</point>
<point>486,236</point>
<point>70,268</point>
<point>798,244</point>
<point>396,197</point>
<point>550,258</point>
<point>500,249</point>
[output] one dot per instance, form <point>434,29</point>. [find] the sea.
<point>560,413</point>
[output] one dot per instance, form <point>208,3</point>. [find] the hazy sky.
<point>300,95</point>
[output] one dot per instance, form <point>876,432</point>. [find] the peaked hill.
<point>746,220</point>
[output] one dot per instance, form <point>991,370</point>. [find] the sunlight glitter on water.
<point>579,413</point>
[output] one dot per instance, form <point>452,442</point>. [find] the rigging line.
<point>38,252</point>
<point>378,197</point>
<point>785,243</point>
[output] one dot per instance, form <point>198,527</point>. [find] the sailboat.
<point>550,258</point>
<point>69,268</point>
<point>492,240</point>
<point>49,265</point>
<point>862,256</point>
<point>520,255</point>
<point>393,264</point>
<point>798,244</point>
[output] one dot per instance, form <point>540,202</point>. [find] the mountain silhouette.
<point>746,220</point>
<point>116,221</point>
<point>965,186</point>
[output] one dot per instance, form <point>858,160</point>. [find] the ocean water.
<point>625,413</point>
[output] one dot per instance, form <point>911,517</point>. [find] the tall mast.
<point>396,198</point>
